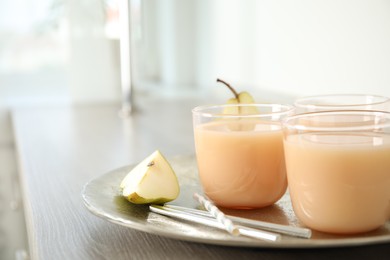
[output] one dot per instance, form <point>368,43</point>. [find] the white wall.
<point>310,47</point>
<point>300,47</point>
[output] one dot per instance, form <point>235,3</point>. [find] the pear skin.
<point>231,110</point>
<point>240,98</point>
<point>246,98</point>
<point>151,181</point>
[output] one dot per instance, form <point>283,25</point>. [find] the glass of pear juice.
<point>338,169</point>
<point>239,151</point>
<point>342,102</point>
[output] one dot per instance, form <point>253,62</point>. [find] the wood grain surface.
<point>61,148</point>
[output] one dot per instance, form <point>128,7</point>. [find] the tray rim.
<point>155,230</point>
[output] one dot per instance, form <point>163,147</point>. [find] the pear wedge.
<point>231,110</point>
<point>240,98</point>
<point>152,181</point>
<point>245,98</point>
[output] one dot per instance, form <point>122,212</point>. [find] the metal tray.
<point>102,197</point>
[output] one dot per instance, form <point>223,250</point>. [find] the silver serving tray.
<point>102,197</point>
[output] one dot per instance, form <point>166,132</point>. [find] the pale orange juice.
<point>339,181</point>
<point>241,162</point>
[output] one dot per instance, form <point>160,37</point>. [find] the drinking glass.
<point>239,151</point>
<point>338,169</point>
<point>342,102</point>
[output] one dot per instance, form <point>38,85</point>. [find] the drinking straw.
<point>279,228</point>
<point>212,222</point>
<point>217,214</point>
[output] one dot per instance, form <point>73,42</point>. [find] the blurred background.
<point>68,51</point>
<point>55,52</point>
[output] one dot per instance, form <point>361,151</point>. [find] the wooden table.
<point>62,148</point>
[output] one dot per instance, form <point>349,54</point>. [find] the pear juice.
<point>241,162</point>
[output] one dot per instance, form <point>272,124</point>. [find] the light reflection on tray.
<point>102,198</point>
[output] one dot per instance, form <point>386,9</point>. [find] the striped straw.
<point>217,214</point>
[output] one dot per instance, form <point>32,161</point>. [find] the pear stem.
<point>230,87</point>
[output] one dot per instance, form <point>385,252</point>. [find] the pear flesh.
<point>245,98</point>
<point>239,98</point>
<point>152,181</point>
<point>240,124</point>
<point>242,98</point>
<point>231,110</point>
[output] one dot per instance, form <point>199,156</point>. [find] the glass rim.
<point>298,102</point>
<point>204,110</point>
<point>381,125</point>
